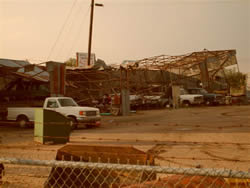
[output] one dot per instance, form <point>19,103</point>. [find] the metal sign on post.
<point>82,60</point>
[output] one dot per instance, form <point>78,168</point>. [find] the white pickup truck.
<point>190,99</point>
<point>65,105</point>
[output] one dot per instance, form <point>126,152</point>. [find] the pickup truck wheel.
<point>72,123</point>
<point>22,121</point>
<point>88,126</point>
<point>166,105</point>
<point>186,104</point>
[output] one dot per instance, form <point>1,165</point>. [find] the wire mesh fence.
<point>16,172</point>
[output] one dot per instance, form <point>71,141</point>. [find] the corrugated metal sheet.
<point>13,63</point>
<point>34,72</point>
<point>38,78</point>
<point>187,64</point>
<point>57,78</point>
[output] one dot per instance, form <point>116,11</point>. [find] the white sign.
<point>82,60</point>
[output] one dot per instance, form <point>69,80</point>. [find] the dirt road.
<point>214,137</point>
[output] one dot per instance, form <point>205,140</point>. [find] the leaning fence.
<point>16,172</point>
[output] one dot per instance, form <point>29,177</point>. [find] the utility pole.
<point>91,27</point>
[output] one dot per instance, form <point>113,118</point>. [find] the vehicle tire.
<point>89,126</point>
<point>164,105</point>
<point>215,104</point>
<point>186,104</point>
<point>22,121</point>
<point>72,122</point>
<point>208,103</point>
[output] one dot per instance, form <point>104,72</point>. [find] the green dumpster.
<point>51,127</point>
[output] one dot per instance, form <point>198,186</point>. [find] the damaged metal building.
<point>153,75</point>
<point>23,81</point>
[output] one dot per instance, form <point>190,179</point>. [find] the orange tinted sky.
<point>124,29</point>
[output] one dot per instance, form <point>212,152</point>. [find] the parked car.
<point>162,100</point>
<point>65,105</point>
<point>157,101</point>
<point>209,98</point>
<point>187,99</point>
<point>136,101</point>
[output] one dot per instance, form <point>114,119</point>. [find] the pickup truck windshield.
<point>67,102</point>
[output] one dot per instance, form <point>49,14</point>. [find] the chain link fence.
<point>16,172</point>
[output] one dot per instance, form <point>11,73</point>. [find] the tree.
<point>235,79</point>
<point>71,62</point>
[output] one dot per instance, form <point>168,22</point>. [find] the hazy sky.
<point>123,29</point>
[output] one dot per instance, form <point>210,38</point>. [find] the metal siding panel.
<point>55,85</point>
<point>204,74</point>
<point>125,102</point>
<point>62,80</point>
<point>58,80</point>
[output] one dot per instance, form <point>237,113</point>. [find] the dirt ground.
<point>205,137</point>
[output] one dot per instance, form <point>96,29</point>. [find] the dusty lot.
<point>214,137</point>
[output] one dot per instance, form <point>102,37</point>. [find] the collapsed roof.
<point>23,69</point>
<point>188,64</point>
<point>13,63</point>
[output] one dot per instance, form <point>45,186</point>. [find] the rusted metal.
<point>100,154</point>
<point>57,78</point>
<point>154,74</point>
<point>165,62</point>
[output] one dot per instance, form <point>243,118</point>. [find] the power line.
<point>78,34</point>
<point>80,10</point>
<point>62,28</point>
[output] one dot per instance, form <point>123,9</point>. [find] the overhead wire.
<point>70,30</point>
<point>62,29</point>
<point>78,34</point>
